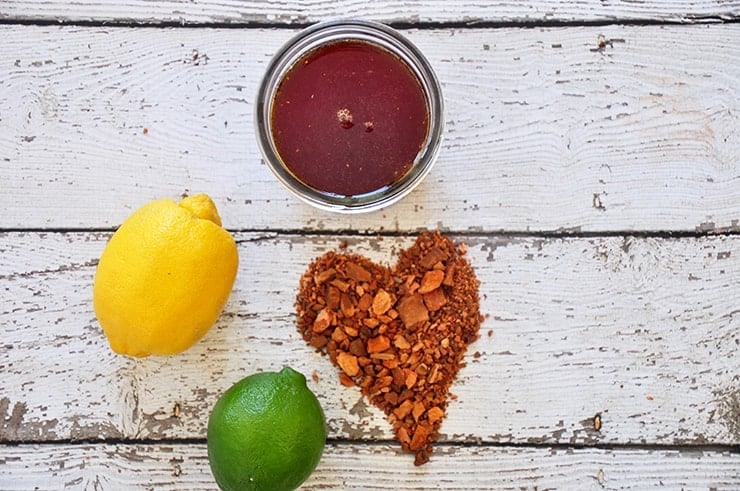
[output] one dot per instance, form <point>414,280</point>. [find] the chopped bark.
<point>399,334</point>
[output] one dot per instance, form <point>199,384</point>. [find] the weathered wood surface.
<point>406,11</point>
<point>644,332</point>
<point>350,466</point>
<point>603,128</point>
<point>593,130</point>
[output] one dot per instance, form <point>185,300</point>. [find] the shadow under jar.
<point>349,116</point>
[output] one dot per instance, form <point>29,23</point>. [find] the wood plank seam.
<point>472,24</point>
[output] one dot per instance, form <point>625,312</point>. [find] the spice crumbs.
<point>399,334</point>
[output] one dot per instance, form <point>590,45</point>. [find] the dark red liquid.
<point>349,118</point>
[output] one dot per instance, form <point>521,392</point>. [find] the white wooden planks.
<point>643,332</point>
<point>580,129</point>
<point>351,466</point>
<point>593,129</point>
<point>408,11</point>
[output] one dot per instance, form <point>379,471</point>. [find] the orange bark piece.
<point>366,300</point>
<point>431,280</point>
<point>382,302</point>
<point>332,297</point>
<point>432,257</point>
<point>357,347</point>
<point>450,276</point>
<point>345,380</point>
<point>348,363</point>
<point>323,320</point>
<point>356,272</point>
<point>435,414</point>
<point>378,344</point>
<point>404,409</point>
<point>325,275</point>
<point>411,377</point>
<point>412,311</point>
<point>420,438</point>
<point>403,435</point>
<point>400,342</point>
<point>345,303</point>
<point>418,410</point>
<point>435,300</point>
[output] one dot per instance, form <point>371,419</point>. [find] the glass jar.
<point>380,40</point>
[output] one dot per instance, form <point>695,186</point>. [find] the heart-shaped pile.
<point>400,334</point>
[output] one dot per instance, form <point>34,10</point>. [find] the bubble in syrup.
<point>345,118</point>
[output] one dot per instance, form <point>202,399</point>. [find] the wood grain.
<point>414,11</point>
<point>349,466</point>
<point>566,131</point>
<point>643,332</point>
<point>562,129</point>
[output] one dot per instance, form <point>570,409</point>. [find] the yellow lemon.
<point>164,277</point>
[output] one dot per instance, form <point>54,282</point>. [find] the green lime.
<point>266,433</point>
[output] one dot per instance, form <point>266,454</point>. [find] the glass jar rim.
<point>375,33</point>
